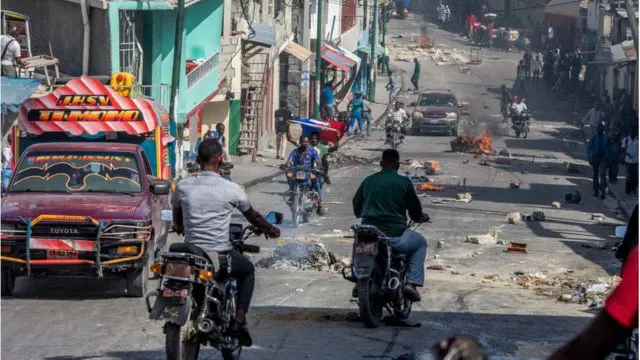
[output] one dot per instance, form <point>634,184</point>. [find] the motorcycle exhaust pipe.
<point>205,326</point>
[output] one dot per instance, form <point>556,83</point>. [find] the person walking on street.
<point>282,117</point>
<point>537,69</point>
<point>366,115</point>
<point>415,78</point>
<point>520,78</point>
<point>356,113</point>
<point>528,60</point>
<point>10,53</point>
<point>593,118</point>
<point>447,13</point>
<point>385,58</point>
<point>327,99</point>
<point>630,148</point>
<point>598,155</point>
<point>7,156</point>
<point>391,87</point>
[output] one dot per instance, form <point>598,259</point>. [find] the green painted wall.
<point>234,126</point>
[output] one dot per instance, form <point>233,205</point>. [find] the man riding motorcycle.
<point>202,207</point>
<point>306,156</point>
<point>399,115</point>
<point>383,200</point>
<point>518,108</point>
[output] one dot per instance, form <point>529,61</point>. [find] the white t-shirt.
<point>631,150</point>
<point>518,108</point>
<point>13,49</point>
<point>6,157</point>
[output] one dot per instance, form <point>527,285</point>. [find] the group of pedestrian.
<point>444,13</point>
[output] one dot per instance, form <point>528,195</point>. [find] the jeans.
<point>632,178</point>
<point>243,271</point>
<point>6,176</point>
<point>356,115</point>
<point>414,245</point>
<point>414,80</point>
<point>599,166</point>
<point>317,186</point>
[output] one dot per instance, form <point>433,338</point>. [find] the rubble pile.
<point>338,160</point>
<point>480,144</point>
<point>312,256</point>
<point>424,48</point>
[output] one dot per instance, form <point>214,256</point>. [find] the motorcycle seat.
<point>189,249</point>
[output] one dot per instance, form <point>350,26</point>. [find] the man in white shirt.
<point>518,106</point>
<point>630,148</point>
<point>10,50</point>
<point>593,118</point>
<point>7,156</point>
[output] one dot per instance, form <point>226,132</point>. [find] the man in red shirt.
<point>613,324</point>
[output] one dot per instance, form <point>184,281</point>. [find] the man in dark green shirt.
<point>383,200</point>
<point>416,73</point>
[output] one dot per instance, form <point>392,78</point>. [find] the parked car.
<point>436,111</point>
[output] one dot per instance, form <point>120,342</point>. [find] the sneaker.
<point>411,293</point>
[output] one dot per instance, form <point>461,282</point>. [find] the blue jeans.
<point>6,176</point>
<point>414,246</point>
<point>356,115</point>
<point>317,186</point>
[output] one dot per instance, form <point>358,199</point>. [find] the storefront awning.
<point>568,8</point>
<point>299,52</point>
<point>338,58</point>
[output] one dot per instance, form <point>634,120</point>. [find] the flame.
<point>432,167</point>
<point>480,144</point>
<point>425,42</point>
<point>430,187</point>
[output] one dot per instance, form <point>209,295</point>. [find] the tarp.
<point>329,131</point>
<point>85,105</point>
<point>14,92</point>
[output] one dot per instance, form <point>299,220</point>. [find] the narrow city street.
<point>509,301</point>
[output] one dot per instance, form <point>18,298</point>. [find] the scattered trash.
<point>440,244</point>
<point>432,167</point>
<point>435,267</point>
<point>504,152</point>
<point>573,197</point>
<point>538,216</point>
<point>598,217</point>
<point>415,164</point>
<point>514,218</point>
<point>556,204</point>
<point>299,290</point>
<point>340,159</point>
<point>514,247</point>
<point>429,187</point>
<point>491,238</point>
<point>573,168</point>
<point>464,197</point>
<point>483,163</point>
<point>492,277</point>
<point>514,185</point>
<point>311,256</point>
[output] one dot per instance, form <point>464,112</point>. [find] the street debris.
<point>598,217</point>
<point>514,218</point>
<point>425,186</point>
<point>432,167</point>
<point>415,164</point>
<point>514,185</point>
<point>464,197</point>
<point>504,152</point>
<point>573,168</point>
<point>491,238</point>
<point>440,244</point>
<point>480,144</point>
<point>435,267</point>
<point>573,197</point>
<point>593,294</point>
<point>538,216</point>
<point>556,204</point>
<point>515,247</point>
<point>312,256</point>
<point>340,159</point>
<point>483,163</point>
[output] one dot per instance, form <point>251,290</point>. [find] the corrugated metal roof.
<point>299,52</point>
<point>262,34</point>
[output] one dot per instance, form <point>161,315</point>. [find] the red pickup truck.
<point>79,208</point>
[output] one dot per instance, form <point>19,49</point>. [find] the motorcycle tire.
<point>370,307</point>
<point>175,348</point>
<point>231,354</point>
<point>8,282</point>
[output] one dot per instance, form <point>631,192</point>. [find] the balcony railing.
<point>158,93</point>
<point>203,70</point>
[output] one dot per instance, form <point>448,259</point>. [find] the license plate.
<point>301,175</point>
<point>53,254</point>
<point>434,121</point>
<point>366,248</point>
<point>168,293</point>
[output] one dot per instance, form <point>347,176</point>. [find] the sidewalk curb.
<point>253,182</point>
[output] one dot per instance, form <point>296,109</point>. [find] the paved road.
<point>309,315</point>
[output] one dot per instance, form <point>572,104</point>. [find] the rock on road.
<point>309,314</point>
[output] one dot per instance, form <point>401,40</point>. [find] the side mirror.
<point>274,218</point>
<point>160,188</point>
<point>413,104</point>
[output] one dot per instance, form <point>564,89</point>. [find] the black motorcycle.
<point>303,200</point>
<point>380,275</point>
<point>394,133</point>
<point>197,303</point>
<point>520,124</point>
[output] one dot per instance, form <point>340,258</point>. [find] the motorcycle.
<point>197,306</point>
<point>304,199</point>
<point>394,132</point>
<point>225,169</point>
<point>380,275</point>
<point>520,124</point>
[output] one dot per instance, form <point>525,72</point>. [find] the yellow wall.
<point>213,113</point>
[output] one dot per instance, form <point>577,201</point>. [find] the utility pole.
<point>306,66</point>
<point>374,44</point>
<point>175,76</point>
<point>318,57</point>
<point>634,31</point>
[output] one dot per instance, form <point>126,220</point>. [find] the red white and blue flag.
<point>329,131</point>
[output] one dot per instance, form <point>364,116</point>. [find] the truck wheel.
<point>138,279</point>
<point>8,282</point>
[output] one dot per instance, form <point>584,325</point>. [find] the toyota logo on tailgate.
<point>63,231</point>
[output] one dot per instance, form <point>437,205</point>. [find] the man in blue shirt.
<point>327,99</point>
<point>598,155</point>
<point>305,156</point>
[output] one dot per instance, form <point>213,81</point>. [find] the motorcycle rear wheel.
<point>370,307</point>
<point>175,347</point>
